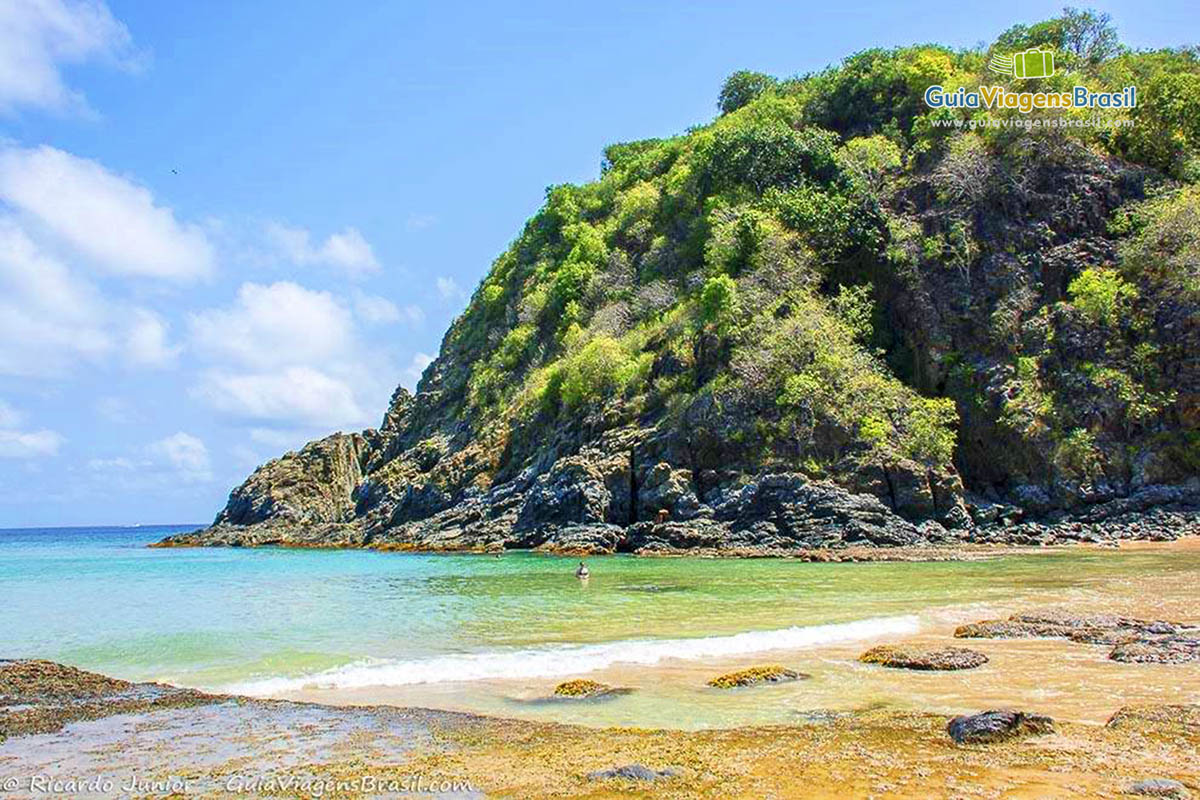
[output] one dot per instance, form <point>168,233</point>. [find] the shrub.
<point>600,368</point>
<point>719,303</point>
<point>867,160</point>
<point>1099,293</point>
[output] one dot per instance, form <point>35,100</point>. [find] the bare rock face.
<point>315,485</point>
<point>996,726</point>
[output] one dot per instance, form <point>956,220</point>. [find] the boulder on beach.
<point>997,725</point>
<point>943,658</point>
<point>770,673</point>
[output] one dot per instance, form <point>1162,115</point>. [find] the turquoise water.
<point>219,618</point>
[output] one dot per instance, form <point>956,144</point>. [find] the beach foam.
<point>562,660</point>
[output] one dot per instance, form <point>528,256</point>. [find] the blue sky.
<point>227,228</point>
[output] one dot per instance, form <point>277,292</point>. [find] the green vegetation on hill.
<point>745,266</point>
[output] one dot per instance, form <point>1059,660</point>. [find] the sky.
<point>227,228</point>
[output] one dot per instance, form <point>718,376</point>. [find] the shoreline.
<point>212,744</point>
<point>964,551</point>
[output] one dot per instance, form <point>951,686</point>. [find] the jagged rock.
<point>588,538</point>
<point>945,658</point>
<point>315,485</point>
<point>994,726</point>
<point>664,488</point>
<point>573,491</point>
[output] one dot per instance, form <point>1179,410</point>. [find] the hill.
<point>831,316</point>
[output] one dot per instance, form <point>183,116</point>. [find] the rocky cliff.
<point>831,317</point>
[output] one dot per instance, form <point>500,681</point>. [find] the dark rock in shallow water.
<point>994,726</point>
<point>631,772</point>
<point>1158,787</point>
<point>945,658</point>
<point>1165,650</point>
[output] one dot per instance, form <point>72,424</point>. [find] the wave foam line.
<point>549,662</point>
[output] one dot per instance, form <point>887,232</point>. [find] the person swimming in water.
<point>582,572</point>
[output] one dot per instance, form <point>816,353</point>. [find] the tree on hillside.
<point>743,87</point>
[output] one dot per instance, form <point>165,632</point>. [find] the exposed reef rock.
<point>945,658</point>
<point>1135,640</point>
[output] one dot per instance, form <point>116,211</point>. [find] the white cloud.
<point>24,444</point>
<point>295,394</point>
<point>49,319</point>
<point>277,325</point>
<point>416,368</point>
<point>52,319</point>
<point>112,222</point>
<point>289,356</point>
<point>347,250</point>
<point>9,416</point>
<point>29,444</point>
<point>146,340</point>
<point>184,453</point>
<point>377,310</point>
<point>38,37</point>
<point>448,288</point>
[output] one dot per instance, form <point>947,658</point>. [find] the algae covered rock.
<point>587,690</point>
<point>944,658</point>
<point>579,688</point>
<point>770,673</point>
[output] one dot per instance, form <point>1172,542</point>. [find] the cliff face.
<point>792,329</point>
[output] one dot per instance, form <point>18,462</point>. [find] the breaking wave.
<point>561,660</point>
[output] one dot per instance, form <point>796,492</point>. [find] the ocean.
<point>480,632</point>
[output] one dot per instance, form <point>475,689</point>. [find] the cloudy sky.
<point>227,228</point>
